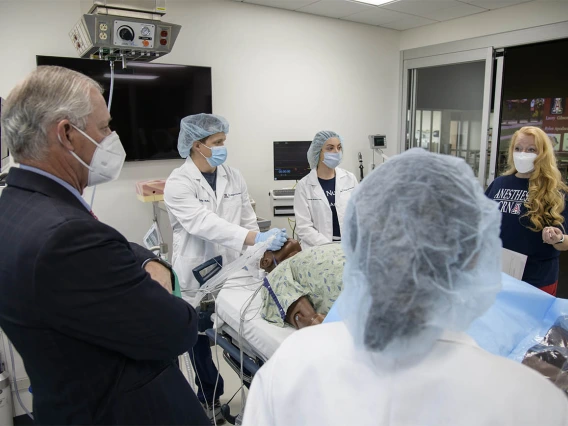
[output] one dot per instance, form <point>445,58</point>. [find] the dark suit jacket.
<point>99,338</point>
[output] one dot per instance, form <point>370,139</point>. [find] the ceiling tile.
<point>377,16</point>
<point>420,7</point>
<point>282,4</point>
<point>494,4</point>
<point>335,8</point>
<point>408,23</point>
<point>454,12</point>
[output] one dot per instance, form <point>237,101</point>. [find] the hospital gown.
<point>316,272</point>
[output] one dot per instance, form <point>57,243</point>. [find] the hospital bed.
<point>518,320</point>
<point>257,338</point>
<point>249,341</point>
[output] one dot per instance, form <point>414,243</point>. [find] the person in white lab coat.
<point>211,215</point>
<point>422,262</point>
<point>321,196</point>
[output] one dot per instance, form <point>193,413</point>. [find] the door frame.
<point>496,124</point>
<point>409,69</point>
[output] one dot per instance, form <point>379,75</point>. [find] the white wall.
<point>525,15</point>
<point>277,75</point>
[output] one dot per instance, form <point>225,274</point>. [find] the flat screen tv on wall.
<point>149,100</point>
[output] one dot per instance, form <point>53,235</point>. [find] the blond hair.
<point>545,202</point>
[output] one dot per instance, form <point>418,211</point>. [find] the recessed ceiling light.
<point>376,2</point>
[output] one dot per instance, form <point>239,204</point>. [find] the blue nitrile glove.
<point>277,242</point>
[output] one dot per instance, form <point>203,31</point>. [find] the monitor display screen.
<point>148,102</point>
<point>290,160</point>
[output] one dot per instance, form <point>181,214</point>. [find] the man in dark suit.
<point>91,314</point>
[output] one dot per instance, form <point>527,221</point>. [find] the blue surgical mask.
<point>332,159</point>
<point>218,155</point>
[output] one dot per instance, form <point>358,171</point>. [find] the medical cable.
<point>110,93</point>
<point>218,367</point>
<point>268,287</point>
<point>231,286</point>
<point>251,258</point>
<point>235,394</point>
<point>241,351</point>
<point>16,384</point>
<point>243,318</point>
<point>293,221</point>
<point>201,384</point>
<point>189,369</point>
<point>218,373</point>
<point>292,225</point>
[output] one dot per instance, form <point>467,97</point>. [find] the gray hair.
<point>48,95</point>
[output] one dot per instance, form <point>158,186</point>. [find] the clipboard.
<point>513,263</point>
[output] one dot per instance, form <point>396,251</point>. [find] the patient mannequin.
<point>306,286</point>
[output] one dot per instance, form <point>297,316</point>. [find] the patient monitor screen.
<point>290,160</point>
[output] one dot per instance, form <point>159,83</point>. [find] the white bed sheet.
<point>262,336</point>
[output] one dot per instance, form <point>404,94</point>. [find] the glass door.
<point>448,106</point>
<point>534,95</point>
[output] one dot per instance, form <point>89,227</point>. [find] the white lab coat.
<point>314,220</point>
<point>206,224</point>
<point>318,377</point>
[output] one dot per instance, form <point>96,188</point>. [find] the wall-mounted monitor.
<point>378,141</point>
<point>291,160</point>
<point>149,101</point>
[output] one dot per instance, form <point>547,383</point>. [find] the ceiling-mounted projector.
<point>128,30</point>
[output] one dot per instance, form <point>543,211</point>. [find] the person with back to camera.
<point>531,197</point>
<point>423,260</point>
<point>321,196</point>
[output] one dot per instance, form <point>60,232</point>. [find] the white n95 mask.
<point>107,160</point>
<point>524,161</point>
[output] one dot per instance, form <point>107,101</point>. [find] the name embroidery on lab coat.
<point>203,201</point>
<point>348,189</point>
<point>231,195</point>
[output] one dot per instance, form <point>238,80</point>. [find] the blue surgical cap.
<point>317,144</point>
<point>423,253</point>
<point>196,127</point>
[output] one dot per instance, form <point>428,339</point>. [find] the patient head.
<point>273,258</point>
<point>422,250</point>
